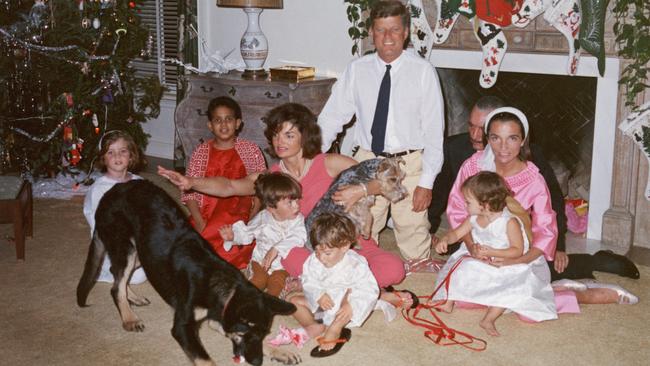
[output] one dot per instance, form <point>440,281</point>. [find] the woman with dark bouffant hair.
<point>295,139</point>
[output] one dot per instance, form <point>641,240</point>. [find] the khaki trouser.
<point>411,228</point>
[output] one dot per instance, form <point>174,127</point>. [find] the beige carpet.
<point>40,323</point>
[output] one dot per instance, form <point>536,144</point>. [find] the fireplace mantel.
<point>605,114</point>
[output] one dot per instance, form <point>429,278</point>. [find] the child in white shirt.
<point>117,155</point>
<point>338,286</point>
<point>277,229</point>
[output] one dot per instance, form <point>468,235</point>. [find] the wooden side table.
<point>256,98</point>
<point>16,206</point>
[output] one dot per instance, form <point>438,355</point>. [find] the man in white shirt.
<point>413,121</point>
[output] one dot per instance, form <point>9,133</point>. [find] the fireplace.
<point>600,107</point>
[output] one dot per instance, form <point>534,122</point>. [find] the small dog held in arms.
<point>139,220</point>
<point>386,171</point>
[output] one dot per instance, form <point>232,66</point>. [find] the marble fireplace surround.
<point>605,113</point>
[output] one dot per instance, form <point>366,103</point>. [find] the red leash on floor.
<point>437,331</point>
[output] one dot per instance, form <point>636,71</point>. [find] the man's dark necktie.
<point>378,129</point>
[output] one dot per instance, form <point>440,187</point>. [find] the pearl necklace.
<point>304,171</point>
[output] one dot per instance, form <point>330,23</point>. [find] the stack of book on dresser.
<point>292,73</point>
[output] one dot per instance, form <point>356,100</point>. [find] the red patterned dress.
<point>206,161</point>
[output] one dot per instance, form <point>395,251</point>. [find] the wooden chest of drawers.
<point>256,98</point>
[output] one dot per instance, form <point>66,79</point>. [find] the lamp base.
<point>255,74</point>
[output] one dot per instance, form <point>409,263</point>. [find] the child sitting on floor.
<point>118,155</point>
<point>496,222</point>
<point>229,156</point>
<point>337,284</point>
<point>278,228</point>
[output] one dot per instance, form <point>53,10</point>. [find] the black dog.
<point>138,219</point>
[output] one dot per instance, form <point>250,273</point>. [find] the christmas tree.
<point>66,79</point>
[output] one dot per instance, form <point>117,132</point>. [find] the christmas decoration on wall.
<point>66,78</point>
<point>421,35</point>
<point>637,126</point>
<point>490,16</point>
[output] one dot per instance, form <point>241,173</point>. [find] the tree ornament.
<point>147,51</point>
<point>96,23</point>
<point>132,4</point>
<point>85,23</point>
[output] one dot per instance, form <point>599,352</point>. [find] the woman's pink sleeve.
<point>544,224</point>
<point>456,210</point>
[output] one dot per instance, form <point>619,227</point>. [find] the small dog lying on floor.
<point>138,219</point>
<point>387,171</point>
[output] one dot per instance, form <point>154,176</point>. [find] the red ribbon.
<point>437,331</point>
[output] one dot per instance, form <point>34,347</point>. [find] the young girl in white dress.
<point>118,154</point>
<point>497,222</point>
<point>277,229</point>
<point>337,284</point>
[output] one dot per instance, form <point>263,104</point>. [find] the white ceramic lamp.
<point>254,46</point>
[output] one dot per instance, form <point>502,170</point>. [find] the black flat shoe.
<point>344,337</point>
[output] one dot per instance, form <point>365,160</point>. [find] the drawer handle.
<point>232,91</point>
<point>270,95</point>
<point>200,112</point>
<point>207,90</point>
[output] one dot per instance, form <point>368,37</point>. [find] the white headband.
<point>511,110</point>
<point>486,162</point>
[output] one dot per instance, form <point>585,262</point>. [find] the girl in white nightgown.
<point>522,288</point>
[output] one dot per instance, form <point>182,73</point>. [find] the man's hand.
<point>325,302</point>
<point>179,180</point>
<point>561,261</point>
<point>421,199</point>
<point>269,258</point>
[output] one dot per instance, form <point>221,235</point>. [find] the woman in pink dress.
<point>295,139</point>
<point>507,154</point>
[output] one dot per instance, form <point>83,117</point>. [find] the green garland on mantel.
<point>632,31</point>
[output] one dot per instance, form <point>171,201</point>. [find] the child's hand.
<point>226,233</point>
<point>441,245</point>
<point>484,251</point>
<point>345,312</point>
<point>325,302</point>
<point>269,258</point>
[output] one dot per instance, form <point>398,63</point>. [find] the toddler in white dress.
<point>338,286</point>
<point>277,229</point>
<point>522,288</point>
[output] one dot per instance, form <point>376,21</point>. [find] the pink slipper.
<point>567,284</point>
<point>624,296</point>
<point>286,335</point>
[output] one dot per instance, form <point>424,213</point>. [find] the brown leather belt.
<point>395,155</point>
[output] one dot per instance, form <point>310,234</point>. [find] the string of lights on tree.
<point>66,79</point>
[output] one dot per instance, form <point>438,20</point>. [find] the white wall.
<point>161,130</point>
<point>314,32</point>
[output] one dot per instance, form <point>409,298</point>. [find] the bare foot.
<point>446,307</point>
<point>489,327</point>
<point>398,299</point>
<point>314,330</point>
<point>330,335</point>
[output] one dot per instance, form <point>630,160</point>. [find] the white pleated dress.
<point>522,288</point>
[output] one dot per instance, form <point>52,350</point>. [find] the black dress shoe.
<point>608,261</point>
